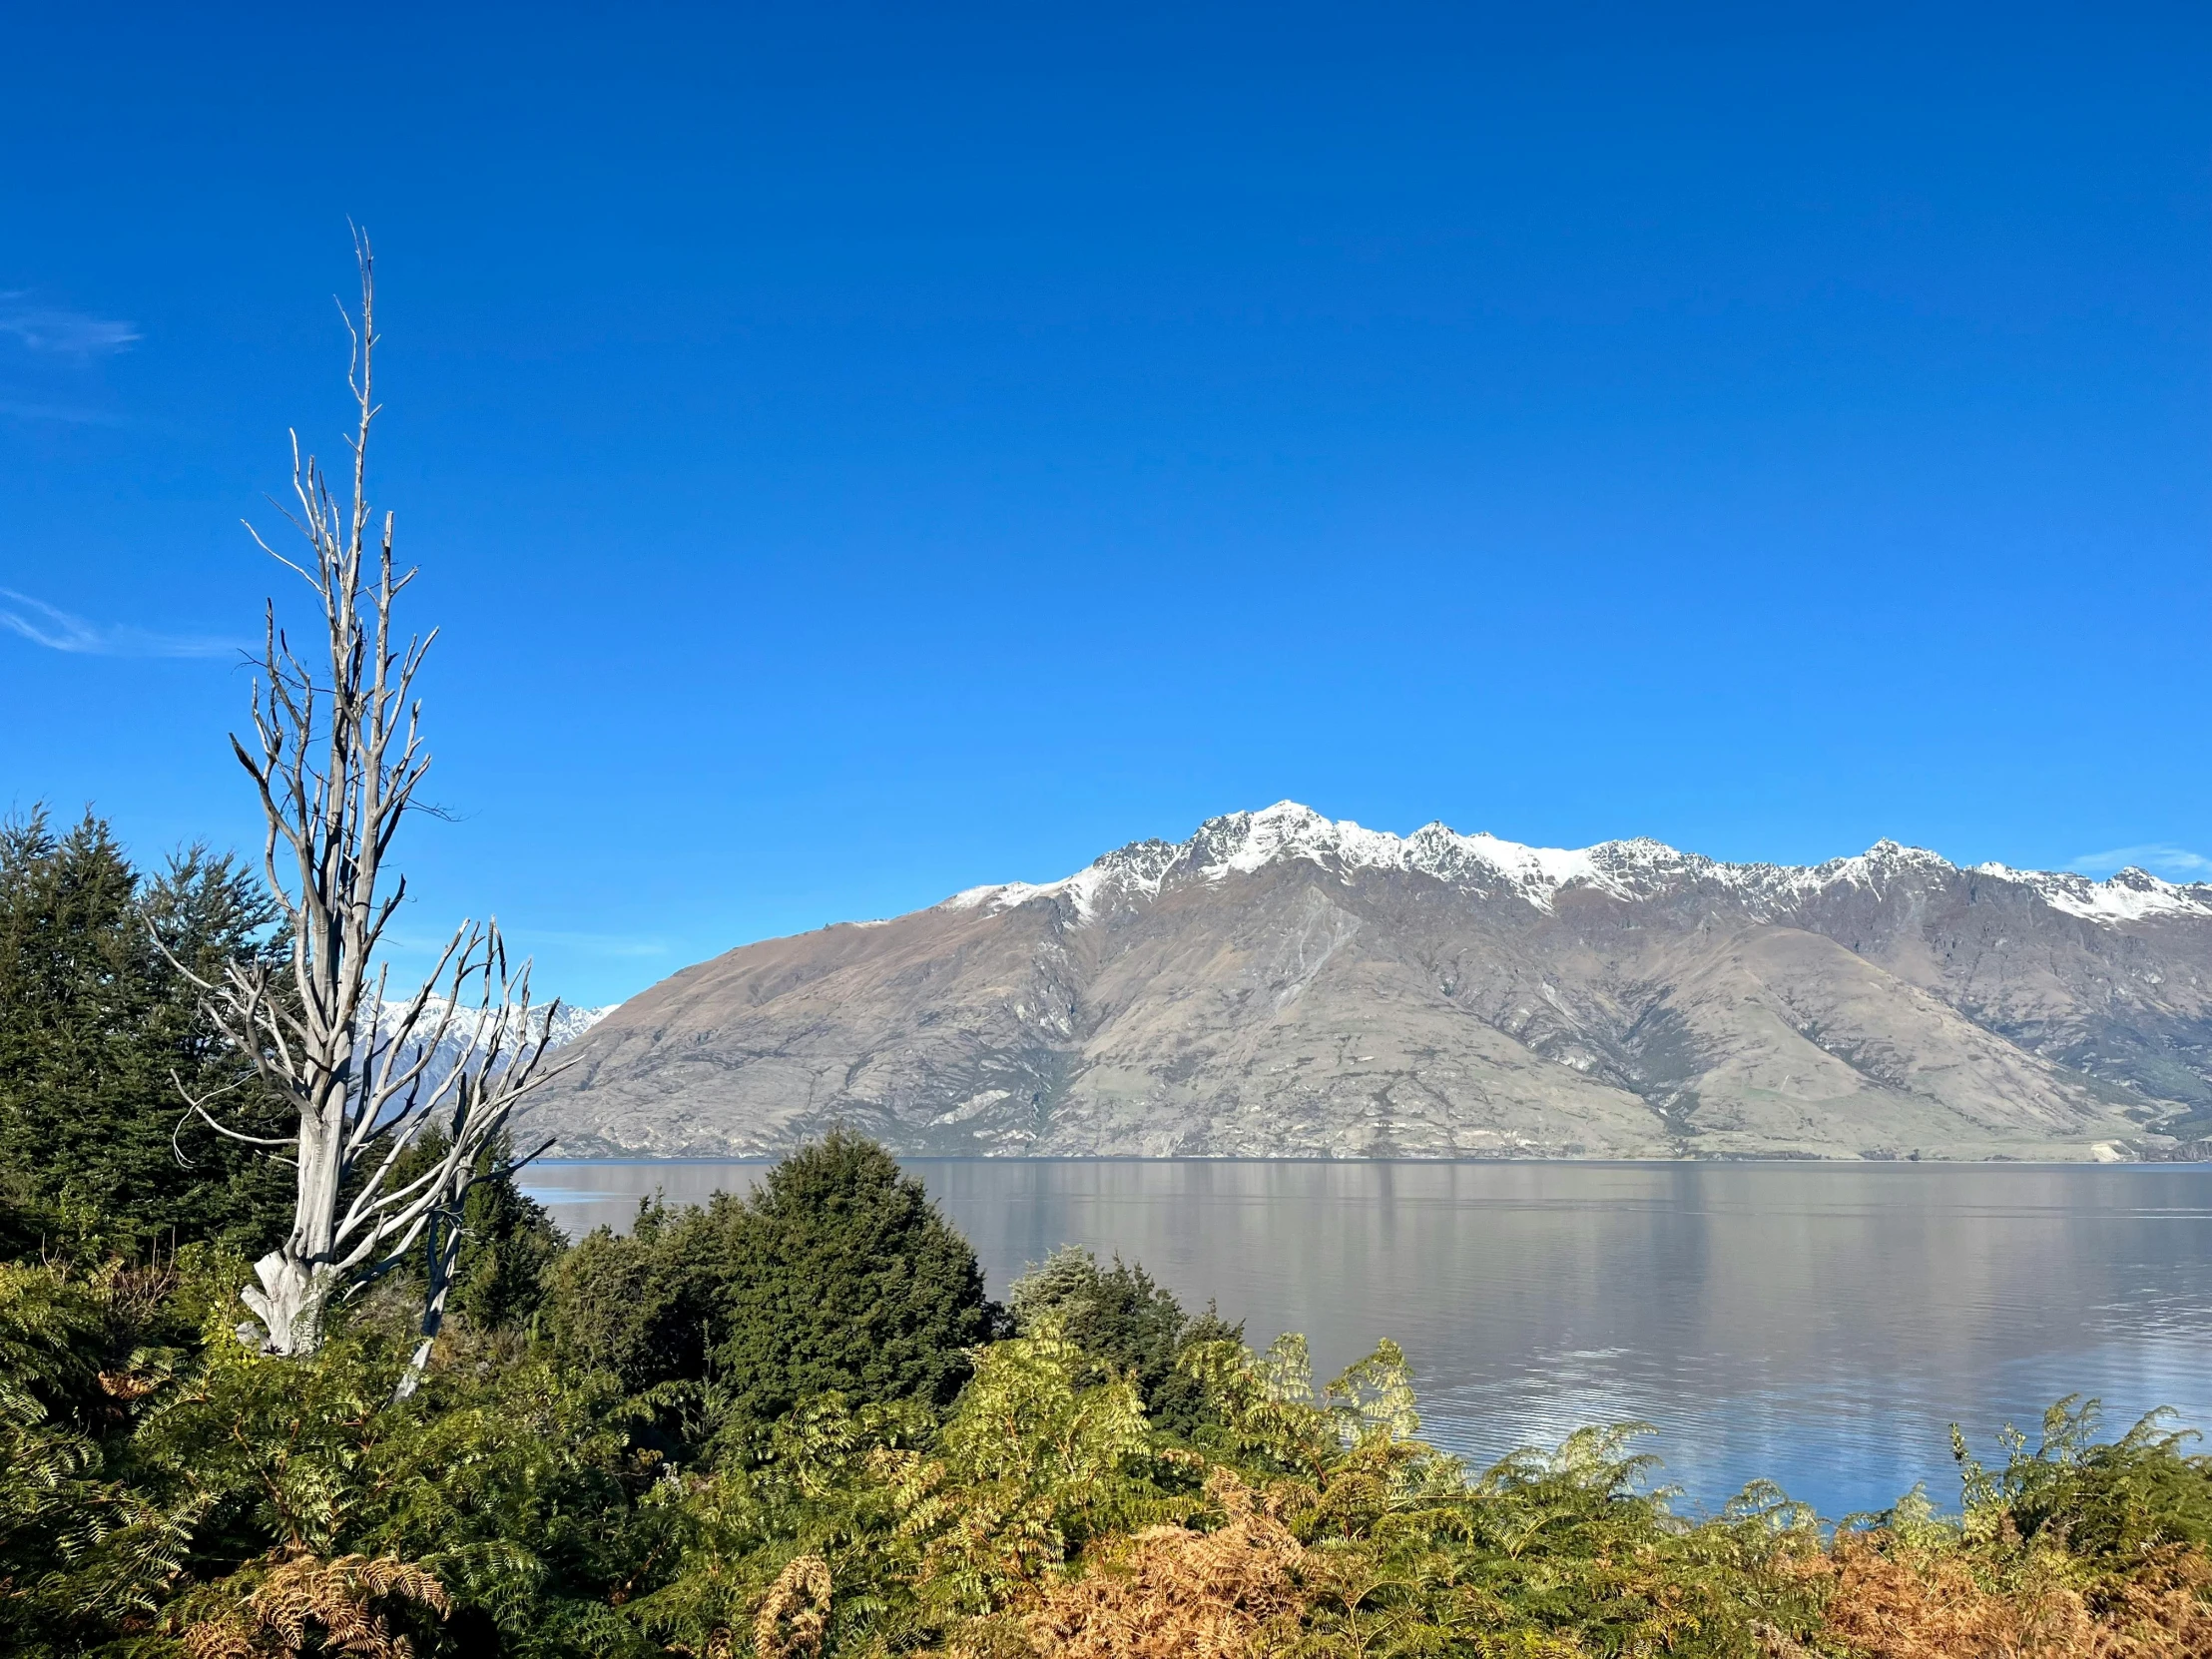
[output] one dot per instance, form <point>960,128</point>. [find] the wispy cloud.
<point>58,629</point>
<point>2176,863</point>
<point>602,944</point>
<point>61,331</point>
<point>12,409</point>
<point>524,940</point>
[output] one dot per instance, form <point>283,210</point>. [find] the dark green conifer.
<point>840,1273</point>
<point>98,1029</point>
<point>508,1241</point>
<point>637,1306</point>
<point>836,1274</point>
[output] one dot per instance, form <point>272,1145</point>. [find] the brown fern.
<point>340,1606</point>
<point>794,1614</point>
<point>1896,1603</point>
<point>122,1385</point>
<point>1172,1593</point>
<point>2159,1611</point>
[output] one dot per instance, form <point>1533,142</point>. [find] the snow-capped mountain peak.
<point>1244,843</point>
<point>2129,895</point>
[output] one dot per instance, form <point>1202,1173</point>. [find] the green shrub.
<point>1124,1320</point>
<point>2109,1500</point>
<point>838,1275</point>
<point>640,1307</point>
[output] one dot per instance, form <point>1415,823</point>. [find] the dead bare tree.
<point>336,756</point>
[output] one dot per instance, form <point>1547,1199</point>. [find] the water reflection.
<point>1819,1324</point>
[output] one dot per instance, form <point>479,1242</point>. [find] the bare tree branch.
<point>336,755</point>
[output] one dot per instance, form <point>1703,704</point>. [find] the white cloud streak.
<point>56,412</point>
<point>2176,863</point>
<point>65,333</point>
<point>527,939</point>
<point>602,944</point>
<point>57,630</point>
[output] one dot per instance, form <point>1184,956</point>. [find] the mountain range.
<point>1283,984</point>
<point>466,1025</point>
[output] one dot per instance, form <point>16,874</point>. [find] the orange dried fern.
<point>1169,1592</point>
<point>794,1614</point>
<point>305,1604</point>
<point>2161,1610</point>
<point>1904,1603</point>
<point>1897,1602</point>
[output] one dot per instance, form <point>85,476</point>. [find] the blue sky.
<point>855,454</point>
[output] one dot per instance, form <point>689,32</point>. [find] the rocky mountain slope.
<point>1284,985</point>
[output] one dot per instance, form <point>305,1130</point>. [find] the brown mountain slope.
<point>1280,985</point>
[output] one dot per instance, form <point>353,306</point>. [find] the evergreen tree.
<point>1126,1321</point>
<point>840,1273</point>
<point>837,1274</point>
<point>508,1243</point>
<point>640,1305</point>
<point>98,1028</point>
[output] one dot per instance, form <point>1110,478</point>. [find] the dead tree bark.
<point>480,1094</point>
<point>337,757</point>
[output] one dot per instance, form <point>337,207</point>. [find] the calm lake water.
<point>1819,1325</point>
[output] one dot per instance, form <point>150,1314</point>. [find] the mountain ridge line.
<point>1284,985</point>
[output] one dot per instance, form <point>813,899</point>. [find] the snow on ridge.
<point>1243,843</point>
<point>1875,869</point>
<point>1135,869</point>
<point>468,1021</point>
<point>2126,896</point>
<point>1247,841</point>
<point>999,895</point>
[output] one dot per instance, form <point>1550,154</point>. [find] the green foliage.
<point>1258,1409</point>
<point>838,1275</point>
<point>508,1245</point>
<point>508,1241</point>
<point>641,1307</point>
<point>1123,1319</point>
<point>600,1483</point>
<point>1032,1465</point>
<point>812,1490</point>
<point>98,1028</point>
<point>2108,1501</point>
<point>80,1551</point>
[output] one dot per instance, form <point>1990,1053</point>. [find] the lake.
<point>1819,1324</point>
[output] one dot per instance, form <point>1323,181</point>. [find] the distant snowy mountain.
<point>567,1024</point>
<point>1281,983</point>
<point>1636,870</point>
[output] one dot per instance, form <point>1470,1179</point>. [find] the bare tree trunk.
<point>336,756</point>
<point>441,1253</point>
